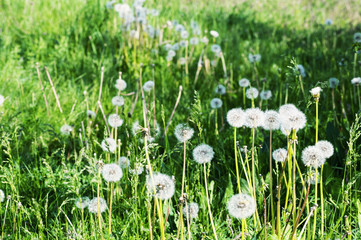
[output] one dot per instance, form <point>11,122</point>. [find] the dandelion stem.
<point>100,89</point>
<point>98,204</point>
<point>110,208</point>
<point>271,182</point>
<point>315,215</point>
<point>235,157</point>
<point>208,203</point>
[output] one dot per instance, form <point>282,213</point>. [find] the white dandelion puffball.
<point>271,120</point>
<point>214,34</point>
<point>66,129</point>
<point>301,70</point>
<point>114,120</point>
<point>333,82</point>
<point>2,100</point>
<point>328,22</point>
<point>137,169</point>
<point>325,147</point>
<point>220,89</point>
<point>203,153</point>
<point>120,84</point>
<point>169,58</point>
<point>82,202</point>
<point>312,156</point>
<point>312,178</point>
<point>183,43</point>
<point>357,37</point>
<point>191,210</point>
<point>194,41</point>
<point>182,61</point>
<point>216,103</point>
<point>253,58</point>
<point>2,195</point>
<point>183,132</point>
<point>148,86</point>
<point>112,172</point>
<point>109,145</point>
<point>216,48</point>
<point>254,118</point>
<point>265,94</point>
<point>205,40</point>
<point>236,117</point>
<point>356,80</point>
<point>136,128</point>
<point>93,205</point>
<point>252,93</point>
<point>291,118</point>
<point>162,184</point>
<point>244,82</point>
<point>184,34</point>
<point>168,47</point>
<point>241,206</point>
<point>118,101</point>
<point>90,114</point>
<point>123,162</point>
<point>279,155</point>
<point>109,5</point>
<point>175,47</point>
<point>316,91</point>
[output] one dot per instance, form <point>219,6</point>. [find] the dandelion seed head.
<point>312,156</point>
<point>301,70</point>
<point>2,195</point>
<point>175,47</point>
<point>114,120</point>
<point>252,93</point>
<point>203,153</point>
<point>182,61</point>
<point>137,169</point>
<point>194,41</point>
<point>333,82</point>
<point>254,118</point>
<point>279,155</point>
<point>123,162</point>
<point>109,145</point>
<point>112,172</point>
<point>292,118</point>
<point>171,53</point>
<point>191,210</point>
<point>326,148</point>
<point>136,128</point>
<point>2,100</point>
<point>183,43</point>
<point>82,203</point>
<point>93,205</point>
<point>216,103</point>
<point>118,101</point>
<point>216,48</point>
<point>265,94</point>
<point>356,80</point>
<point>90,114</point>
<point>168,47</point>
<point>184,34</point>
<point>316,91</point>
<point>328,22</point>
<point>253,58</point>
<point>241,206</point>
<point>183,132</point>
<point>205,40</point>
<point>271,120</point>
<point>236,117</point>
<point>148,86</point>
<point>120,85</point>
<point>214,34</point>
<point>220,89</point>
<point>244,82</point>
<point>66,129</point>
<point>163,185</point>
<point>357,37</point>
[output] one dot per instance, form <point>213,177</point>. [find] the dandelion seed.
<point>120,84</point>
<point>216,48</point>
<point>312,156</point>
<point>244,82</point>
<point>216,103</point>
<point>191,210</point>
<point>2,196</point>
<point>163,185</point>
<point>279,155</point>
<point>136,128</point>
<point>137,169</point>
<point>148,86</point>
<point>252,93</point>
<point>90,114</point>
<point>114,120</point>
<point>301,70</point>
<point>357,37</point>
<point>203,153</point>
<point>118,101</point>
<point>123,162</point>
<point>356,81</point>
<point>316,91</point>
<point>112,172</point>
<point>169,58</point>
<point>214,34</point>
<point>183,132</point>
<point>333,82</point>
<point>241,206</point>
<point>328,22</point>
<point>66,129</point>
<point>326,148</point>
<point>109,145</point>
<point>254,118</point>
<point>271,120</point>
<point>236,117</point>
<point>194,41</point>
<point>82,203</point>
<point>265,94</point>
<point>2,100</point>
<point>254,58</point>
<point>93,205</point>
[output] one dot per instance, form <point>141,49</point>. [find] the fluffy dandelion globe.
<point>220,89</point>
<point>216,48</point>
<point>265,94</point>
<point>356,81</point>
<point>2,196</point>
<point>184,34</point>
<point>191,210</point>
<point>241,206</point>
<point>333,82</point>
<point>301,70</point>
<point>252,93</point>
<point>271,120</point>
<point>244,82</point>
<point>316,91</point>
<point>168,47</point>
<point>114,120</point>
<point>214,34</point>
<point>194,41</point>
<point>93,205</point>
<point>163,185</point>
<point>90,114</point>
<point>2,100</point>
<point>183,132</point>
<point>292,118</point>
<point>216,103</point>
<point>137,169</point>
<point>171,53</point>
<point>254,118</point>
<point>148,86</point>
<point>182,61</point>
<point>179,27</point>
<point>203,153</point>
<point>253,58</point>
<point>312,156</point>
<point>118,101</point>
<point>112,172</point>
<point>312,178</point>
<point>236,117</point>
<point>121,85</point>
<point>326,148</point>
<point>357,37</point>
<point>328,22</point>
<point>123,162</point>
<point>109,5</point>
<point>175,47</point>
<point>136,128</point>
<point>205,40</point>
<point>279,155</point>
<point>82,202</point>
<point>183,43</point>
<point>169,58</point>
<point>109,145</point>
<point>66,129</point>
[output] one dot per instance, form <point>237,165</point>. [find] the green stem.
<point>315,214</point>
<point>208,203</point>
<point>271,183</point>
<point>235,157</point>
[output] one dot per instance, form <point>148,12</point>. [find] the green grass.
<point>47,172</point>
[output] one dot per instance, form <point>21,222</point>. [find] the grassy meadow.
<point>105,108</point>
